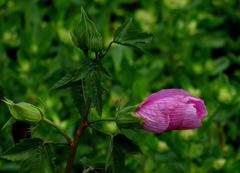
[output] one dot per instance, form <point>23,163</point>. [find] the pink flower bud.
<point>171,109</point>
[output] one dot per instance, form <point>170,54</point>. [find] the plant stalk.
<point>102,120</point>
<point>68,139</point>
<point>74,144</point>
<point>106,51</point>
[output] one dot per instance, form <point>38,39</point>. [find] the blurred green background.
<point>196,47</point>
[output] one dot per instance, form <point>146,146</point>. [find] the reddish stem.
<point>74,144</point>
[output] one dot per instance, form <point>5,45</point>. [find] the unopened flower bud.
<point>24,111</point>
<point>172,109</point>
<point>86,36</point>
<point>95,42</point>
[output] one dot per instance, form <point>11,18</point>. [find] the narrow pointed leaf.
<point>94,88</point>
<point>8,123</point>
<point>96,93</point>
<point>109,154</point>
<point>71,79</point>
<point>66,81</point>
<point>79,97</point>
<point>129,34</point>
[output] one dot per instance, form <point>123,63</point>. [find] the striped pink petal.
<point>163,94</point>
<point>155,119</point>
<point>172,109</point>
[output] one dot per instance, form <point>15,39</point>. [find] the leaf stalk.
<point>102,120</point>
<point>65,135</point>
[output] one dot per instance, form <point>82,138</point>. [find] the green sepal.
<point>8,123</point>
<point>128,121</point>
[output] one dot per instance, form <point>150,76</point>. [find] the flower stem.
<point>74,144</point>
<point>102,120</point>
<point>106,51</point>
<point>68,139</point>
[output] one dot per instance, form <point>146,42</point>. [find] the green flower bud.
<point>85,35</point>
<point>24,111</point>
<point>95,42</point>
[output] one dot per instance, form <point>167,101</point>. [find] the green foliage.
<point>22,151</point>
<point>195,46</point>
<point>118,159</point>
<point>94,88</point>
<point>39,162</point>
<point>33,153</point>
<point>220,65</point>
<point>67,81</point>
<point>8,123</point>
<point>123,143</point>
<point>128,34</point>
<point>86,84</point>
<point>78,95</point>
<point>119,146</point>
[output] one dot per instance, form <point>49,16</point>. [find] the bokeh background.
<point>196,46</point>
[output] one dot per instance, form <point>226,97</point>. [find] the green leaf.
<point>92,165</point>
<point>196,150</point>
<point>118,160</point>
<point>220,65</point>
<point>79,97</point>
<point>73,78</point>
<point>86,84</point>
<point>109,154</point>
<point>118,147</point>
<point>126,144</point>
<point>104,71</point>
<point>128,34</point>
<point>34,153</point>
<point>115,158</point>
<point>95,89</point>
<point>8,123</point>
<point>22,150</point>
<point>66,81</point>
<point>39,161</point>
